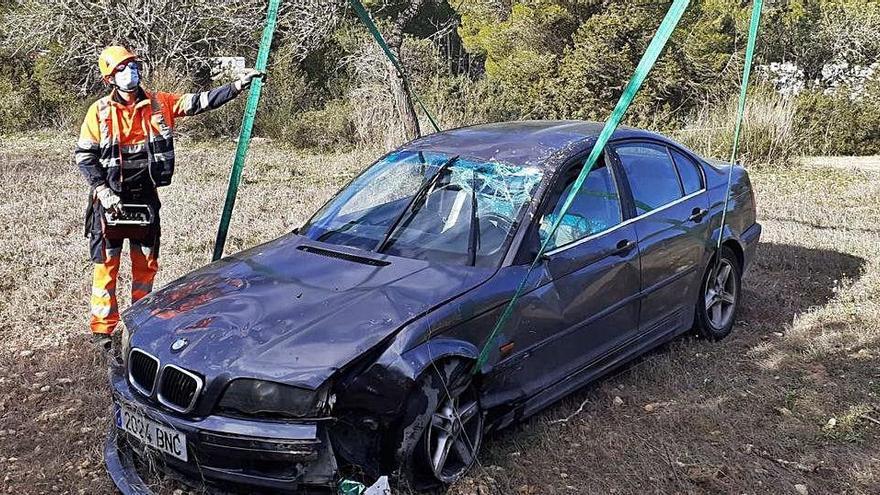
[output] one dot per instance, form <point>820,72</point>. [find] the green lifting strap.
<point>364,16</point>
<point>648,59</point>
<point>247,125</point>
<point>740,113</point>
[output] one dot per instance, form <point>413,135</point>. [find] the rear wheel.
<point>718,303</point>
<point>446,410</point>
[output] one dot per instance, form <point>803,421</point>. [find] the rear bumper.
<point>229,453</point>
<point>749,240</point>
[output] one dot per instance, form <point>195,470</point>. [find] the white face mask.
<point>127,79</point>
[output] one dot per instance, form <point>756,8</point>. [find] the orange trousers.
<point>104,307</point>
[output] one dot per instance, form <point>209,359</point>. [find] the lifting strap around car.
<point>247,125</point>
<point>740,113</point>
<point>364,16</point>
<point>647,62</point>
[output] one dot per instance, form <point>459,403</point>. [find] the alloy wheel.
<point>721,294</point>
<point>454,434</point>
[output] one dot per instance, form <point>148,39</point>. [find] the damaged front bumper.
<point>227,453</point>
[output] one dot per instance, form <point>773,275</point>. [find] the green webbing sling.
<point>371,26</point>
<point>648,59</point>
<point>740,112</point>
<point>247,125</point>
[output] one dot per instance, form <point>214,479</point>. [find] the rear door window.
<point>652,176</point>
<point>691,177</point>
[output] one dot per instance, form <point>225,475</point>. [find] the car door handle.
<point>698,214</point>
<point>623,247</point>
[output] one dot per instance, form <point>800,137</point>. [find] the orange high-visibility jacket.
<point>131,147</point>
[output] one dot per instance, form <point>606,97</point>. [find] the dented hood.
<point>291,310</point>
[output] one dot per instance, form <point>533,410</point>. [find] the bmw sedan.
<point>351,345</point>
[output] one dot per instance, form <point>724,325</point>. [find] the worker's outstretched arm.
<point>189,104</point>
<point>87,152</point>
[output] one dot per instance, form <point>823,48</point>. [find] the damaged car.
<point>351,345</point>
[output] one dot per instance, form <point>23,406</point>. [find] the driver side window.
<point>595,209</point>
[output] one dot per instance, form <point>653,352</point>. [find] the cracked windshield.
<point>430,206</point>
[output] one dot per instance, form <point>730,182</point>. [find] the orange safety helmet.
<point>111,57</point>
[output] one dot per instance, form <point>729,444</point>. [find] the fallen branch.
<point>869,418</point>
<point>572,415</point>
<point>793,465</point>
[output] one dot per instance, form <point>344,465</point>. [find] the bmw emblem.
<point>179,345</point>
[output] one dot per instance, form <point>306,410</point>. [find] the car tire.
<point>718,300</point>
<point>443,414</point>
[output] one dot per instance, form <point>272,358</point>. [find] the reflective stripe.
<point>189,103</point>
<point>142,286</point>
<point>145,250</point>
<point>142,163</point>
<point>203,100</point>
<point>163,157</point>
<point>83,157</point>
<point>103,311</point>
<point>134,148</point>
<point>103,293</point>
<point>85,144</point>
<point>103,116</point>
<point>109,162</point>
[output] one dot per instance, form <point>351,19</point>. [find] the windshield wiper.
<point>474,237</point>
<point>346,226</point>
<point>423,191</point>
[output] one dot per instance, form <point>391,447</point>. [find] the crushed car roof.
<point>528,142</point>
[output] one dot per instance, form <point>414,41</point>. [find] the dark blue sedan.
<point>349,345</point>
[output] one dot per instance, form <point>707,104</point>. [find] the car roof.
<point>525,143</point>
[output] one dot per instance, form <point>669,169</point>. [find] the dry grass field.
<point>790,403</point>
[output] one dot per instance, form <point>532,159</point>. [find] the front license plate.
<point>151,433</point>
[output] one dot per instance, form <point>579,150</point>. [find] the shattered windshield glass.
<point>431,206</point>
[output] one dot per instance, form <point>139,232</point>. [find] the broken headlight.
<point>264,398</point>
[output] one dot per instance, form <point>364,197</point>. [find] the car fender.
<point>727,234</point>
<point>420,357</point>
<point>384,386</point>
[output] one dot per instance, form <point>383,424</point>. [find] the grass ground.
<point>788,403</point>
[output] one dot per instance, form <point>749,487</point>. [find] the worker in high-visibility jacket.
<point>126,151</point>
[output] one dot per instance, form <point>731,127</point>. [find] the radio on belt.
<point>137,215</point>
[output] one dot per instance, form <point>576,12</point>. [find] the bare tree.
<point>177,35</point>
<point>400,91</point>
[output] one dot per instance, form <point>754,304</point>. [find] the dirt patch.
<point>752,414</point>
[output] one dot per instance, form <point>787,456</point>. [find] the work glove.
<point>245,80</point>
<point>109,200</point>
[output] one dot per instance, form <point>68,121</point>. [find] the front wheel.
<point>718,303</point>
<point>445,407</point>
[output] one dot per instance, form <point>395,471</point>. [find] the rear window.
<point>652,176</point>
<point>691,178</point>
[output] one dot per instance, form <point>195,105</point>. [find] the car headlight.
<point>259,397</point>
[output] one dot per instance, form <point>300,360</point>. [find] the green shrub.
<point>329,128</point>
<point>17,111</point>
<point>837,124</point>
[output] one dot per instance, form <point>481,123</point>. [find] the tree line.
<point>471,61</point>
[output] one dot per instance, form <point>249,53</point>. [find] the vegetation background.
<point>816,91</point>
